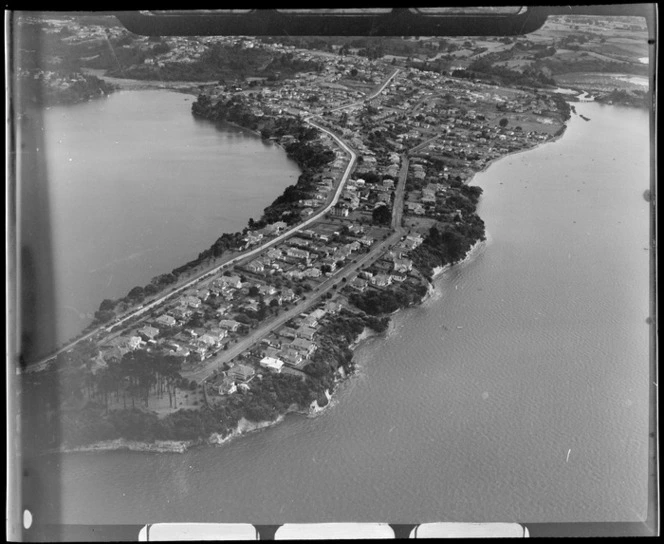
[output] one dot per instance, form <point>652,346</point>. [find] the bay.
<point>138,187</point>
<point>466,410</point>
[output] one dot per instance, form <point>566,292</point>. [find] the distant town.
<point>263,322</point>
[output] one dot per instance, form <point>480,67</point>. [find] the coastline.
<point>245,426</point>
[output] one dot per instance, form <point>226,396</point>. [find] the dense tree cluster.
<point>448,244</point>
<point>385,301</point>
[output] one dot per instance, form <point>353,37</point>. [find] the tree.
<point>381,215</point>
<point>136,293</point>
<point>106,305</point>
<point>503,122</point>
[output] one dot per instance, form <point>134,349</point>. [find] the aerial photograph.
<point>284,278</point>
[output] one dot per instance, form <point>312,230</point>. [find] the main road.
<point>313,297</point>
<point>207,370</point>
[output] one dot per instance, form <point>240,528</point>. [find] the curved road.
<point>40,365</point>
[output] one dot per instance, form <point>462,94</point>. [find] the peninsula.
<point>262,323</point>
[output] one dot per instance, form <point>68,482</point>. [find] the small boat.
<point>568,451</point>
<point>584,118</point>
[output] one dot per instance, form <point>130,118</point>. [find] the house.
<point>274,253</point>
<point>228,281</point>
<point>356,229</point>
<point>287,294</point>
<point>297,253</point>
<point>203,294</point>
<point>358,284</point>
<point>340,211</point>
<point>318,314</point>
<point>341,254</point>
<point>229,324</point>
<point>310,321</point>
<point>353,246</point>
<point>181,337</point>
<point>201,351</point>
<point>306,332</point>
<point>227,387</point>
<point>255,266</point>
<point>134,342</point>
<point>403,265</point>
<point>253,238</point>
<point>291,357</point>
<point>166,321</point>
<point>413,240</point>
<point>302,242</point>
<point>428,197</point>
<point>241,372</point>
<point>312,272</point>
<point>149,332</point>
<point>381,280</point>
<point>179,351</point>
<point>272,363</point>
<point>331,263</point>
<point>251,304</point>
<point>208,340</point>
<point>306,347</point>
<point>182,313</point>
<point>272,351</point>
<point>191,301</point>
<point>287,332</point>
<point>333,307</point>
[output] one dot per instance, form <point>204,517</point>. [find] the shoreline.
<point>245,426</point>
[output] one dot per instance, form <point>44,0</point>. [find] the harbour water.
<point>517,392</point>
<point>138,187</point>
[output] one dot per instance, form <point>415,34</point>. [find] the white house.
<point>272,363</point>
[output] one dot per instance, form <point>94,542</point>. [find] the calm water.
<point>139,187</point>
<point>467,409</point>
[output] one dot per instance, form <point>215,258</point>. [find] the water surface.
<point>138,187</point>
<point>467,409</point>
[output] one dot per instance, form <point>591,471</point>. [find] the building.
<point>228,281</point>
<point>272,363</point>
<point>241,373</point>
<point>255,266</point>
<point>306,347</point>
<point>149,332</point>
<point>297,253</point>
<point>166,320</point>
<point>191,301</point>
<point>229,324</point>
<point>333,307</point>
<point>318,314</point>
<point>359,284</point>
<point>306,332</point>
<point>227,387</point>
<point>182,312</point>
<point>340,211</point>
<point>291,357</point>
<point>402,265</point>
<point>381,280</point>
